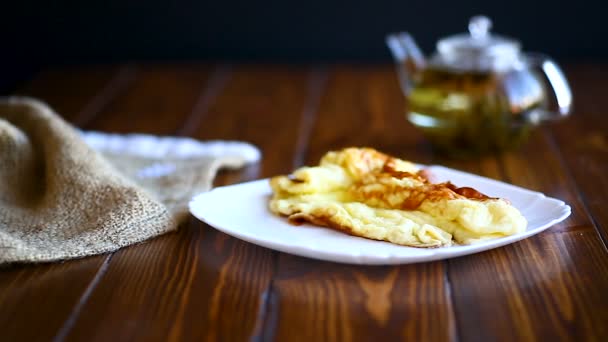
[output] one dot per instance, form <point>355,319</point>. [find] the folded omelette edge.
<point>366,193</point>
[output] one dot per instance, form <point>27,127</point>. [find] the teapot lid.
<point>478,50</point>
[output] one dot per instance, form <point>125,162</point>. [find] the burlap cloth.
<point>67,194</point>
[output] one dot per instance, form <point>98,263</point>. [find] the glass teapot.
<point>478,93</point>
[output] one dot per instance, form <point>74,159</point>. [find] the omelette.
<point>366,193</point>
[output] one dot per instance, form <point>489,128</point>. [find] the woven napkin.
<point>67,194</point>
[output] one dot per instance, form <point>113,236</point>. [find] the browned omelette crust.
<point>377,173</point>
<point>320,219</point>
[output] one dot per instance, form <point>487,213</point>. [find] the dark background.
<point>47,33</point>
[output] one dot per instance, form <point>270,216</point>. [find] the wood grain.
<point>37,300</point>
<point>582,141</point>
<point>158,101</point>
<point>200,283</point>
<point>537,167</point>
<point>78,93</point>
<point>324,301</point>
<point>548,287</point>
<point>542,283</point>
<point>365,107</point>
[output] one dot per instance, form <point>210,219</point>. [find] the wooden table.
<point>200,284</point>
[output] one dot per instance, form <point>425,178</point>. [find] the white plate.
<point>242,211</point>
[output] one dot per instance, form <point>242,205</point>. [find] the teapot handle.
<point>554,76</point>
<point>408,56</point>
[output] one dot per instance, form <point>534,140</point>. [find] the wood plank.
<point>159,101</point>
<point>335,302</point>
<point>43,296</point>
<point>537,167</point>
<point>539,288</point>
<point>328,301</point>
<point>363,106</point>
<point>200,283</point>
<point>582,140</point>
<point>36,300</point>
<point>549,287</point>
<point>76,93</point>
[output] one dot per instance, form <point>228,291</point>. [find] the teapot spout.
<point>408,58</point>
